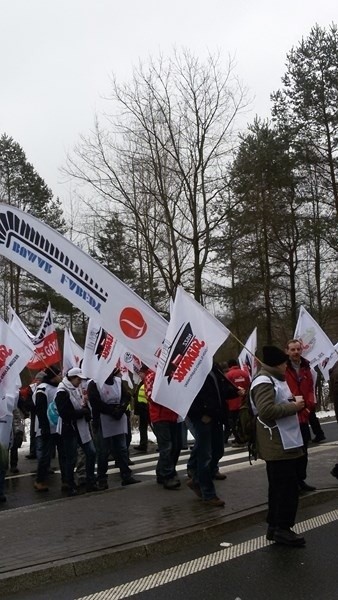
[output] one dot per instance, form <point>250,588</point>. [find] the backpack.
<point>246,424</point>
<point>52,413</point>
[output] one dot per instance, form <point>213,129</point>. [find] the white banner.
<point>48,255</point>
<point>14,355</point>
<point>192,338</point>
<point>101,353</point>
<point>72,352</point>
<point>316,345</point>
<point>247,357</point>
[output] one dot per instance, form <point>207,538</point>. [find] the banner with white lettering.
<point>101,353</point>
<point>55,260</point>
<point>72,352</point>
<point>45,341</point>
<point>247,358</point>
<point>316,345</point>
<point>192,338</point>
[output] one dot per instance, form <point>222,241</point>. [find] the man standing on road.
<point>205,419</point>
<point>299,378</point>
<point>333,392</point>
<point>142,411</point>
<point>109,404</point>
<point>279,443</point>
<point>168,433</point>
<point>73,426</point>
<point>240,379</point>
<point>46,437</point>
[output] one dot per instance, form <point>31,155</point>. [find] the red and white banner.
<point>316,345</point>
<point>101,353</point>
<point>45,342</point>
<point>72,352</point>
<point>328,362</point>
<point>15,352</point>
<point>247,357</point>
<point>48,255</point>
<point>192,338</point>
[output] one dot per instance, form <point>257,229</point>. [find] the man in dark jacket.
<point>206,418</point>
<point>333,391</point>
<point>73,425</point>
<point>279,443</point>
<point>46,437</point>
<point>109,403</point>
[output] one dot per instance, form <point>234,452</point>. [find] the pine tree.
<point>22,187</point>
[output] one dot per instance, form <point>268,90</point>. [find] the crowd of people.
<point>87,423</point>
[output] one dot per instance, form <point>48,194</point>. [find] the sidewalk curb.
<point>95,562</point>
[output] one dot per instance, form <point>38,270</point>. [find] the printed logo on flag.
<point>248,364</point>
<point>308,340</point>
<point>128,358</point>
<point>108,343</point>
<point>183,354</point>
<point>132,323</point>
<point>4,354</point>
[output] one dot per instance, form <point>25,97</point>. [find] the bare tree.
<point>161,160</point>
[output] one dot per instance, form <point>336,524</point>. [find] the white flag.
<point>328,362</point>
<point>192,338</point>
<point>101,353</point>
<point>14,355</point>
<point>129,366</point>
<point>247,358</point>
<point>48,255</point>
<point>46,346</point>
<point>316,345</point>
<point>72,352</point>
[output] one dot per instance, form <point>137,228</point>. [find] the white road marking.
<point>155,580</point>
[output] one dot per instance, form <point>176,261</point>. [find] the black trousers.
<point>315,424</point>
<point>303,460</point>
<point>143,424</point>
<point>283,492</point>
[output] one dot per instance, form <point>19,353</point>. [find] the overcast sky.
<point>57,56</point>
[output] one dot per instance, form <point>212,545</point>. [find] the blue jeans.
<point>217,447</point>
<point>71,443</point>
<point>115,445</point>
<point>45,447</point>
<point>169,441</point>
<point>202,457</point>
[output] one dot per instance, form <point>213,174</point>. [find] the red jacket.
<point>157,412</point>
<point>301,384</point>
<point>239,378</point>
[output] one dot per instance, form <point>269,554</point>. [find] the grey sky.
<point>57,55</point>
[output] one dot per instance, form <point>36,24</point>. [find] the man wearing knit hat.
<point>279,443</point>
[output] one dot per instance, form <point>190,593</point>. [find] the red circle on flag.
<point>132,323</point>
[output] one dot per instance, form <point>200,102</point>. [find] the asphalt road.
<point>20,491</point>
<point>249,568</point>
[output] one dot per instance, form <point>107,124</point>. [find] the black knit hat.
<point>274,356</point>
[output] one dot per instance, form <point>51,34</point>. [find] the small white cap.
<point>76,372</point>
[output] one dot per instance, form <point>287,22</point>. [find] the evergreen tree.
<point>22,187</point>
<point>307,105</point>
